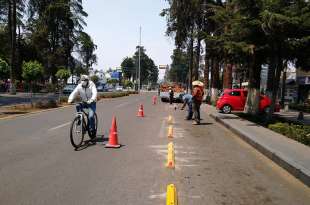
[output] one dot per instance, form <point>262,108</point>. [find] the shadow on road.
<point>100,139</point>
<point>206,123</point>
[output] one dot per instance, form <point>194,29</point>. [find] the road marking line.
<point>156,196</point>
<point>59,126</point>
<point>122,105</point>
<point>170,156</point>
<point>172,197</point>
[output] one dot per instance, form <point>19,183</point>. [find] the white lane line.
<point>59,126</point>
<point>122,105</point>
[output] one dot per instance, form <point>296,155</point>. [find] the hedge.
<point>300,133</point>
<point>300,107</point>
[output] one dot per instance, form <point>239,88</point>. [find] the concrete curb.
<point>283,161</point>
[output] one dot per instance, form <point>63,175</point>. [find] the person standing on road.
<point>197,100</point>
<point>171,95</point>
<point>87,90</point>
<point>187,99</point>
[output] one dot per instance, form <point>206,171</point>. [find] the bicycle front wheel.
<point>77,132</point>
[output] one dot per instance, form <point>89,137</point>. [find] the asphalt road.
<point>39,166</point>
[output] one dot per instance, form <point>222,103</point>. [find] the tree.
<point>128,68</point>
<point>149,71</point>
<point>179,67</point>
<point>4,69</point>
<point>113,81</point>
<point>63,74</point>
<point>87,49</point>
<point>32,71</point>
<point>95,79</point>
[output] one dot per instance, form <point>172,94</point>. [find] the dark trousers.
<point>91,112</point>
<point>190,111</point>
<point>170,99</point>
<point>196,109</point>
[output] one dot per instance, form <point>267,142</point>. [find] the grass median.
<point>45,104</point>
<point>295,131</point>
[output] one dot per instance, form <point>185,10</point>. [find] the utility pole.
<point>139,62</point>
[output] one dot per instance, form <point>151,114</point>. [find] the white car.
<point>119,88</point>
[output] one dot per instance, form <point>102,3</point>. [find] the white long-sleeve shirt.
<point>89,93</point>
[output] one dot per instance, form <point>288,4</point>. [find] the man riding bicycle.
<point>87,90</point>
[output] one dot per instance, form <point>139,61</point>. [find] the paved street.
<point>213,166</point>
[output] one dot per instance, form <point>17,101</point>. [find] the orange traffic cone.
<point>113,141</point>
<point>140,112</point>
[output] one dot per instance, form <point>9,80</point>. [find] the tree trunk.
<point>191,62</point>
<point>275,88</point>
<point>206,75</point>
<point>196,71</point>
<point>283,88</point>
<point>227,76</point>
<point>252,102</point>
<point>271,77</point>
<point>215,80</point>
<point>12,12</point>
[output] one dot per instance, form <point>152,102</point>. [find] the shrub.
<point>50,87</point>
<point>45,104</point>
<point>300,133</point>
<point>300,107</point>
<point>63,99</point>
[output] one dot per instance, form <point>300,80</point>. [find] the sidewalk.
<point>289,154</point>
<point>291,116</point>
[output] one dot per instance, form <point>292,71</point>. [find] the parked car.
<point>68,88</point>
<point>235,99</point>
<point>101,87</point>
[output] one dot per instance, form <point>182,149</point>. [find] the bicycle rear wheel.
<point>93,134</point>
<point>77,132</point>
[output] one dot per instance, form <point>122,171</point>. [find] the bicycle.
<point>79,126</point>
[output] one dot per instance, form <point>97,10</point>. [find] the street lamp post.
<point>139,72</point>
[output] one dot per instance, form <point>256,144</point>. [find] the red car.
<point>235,99</point>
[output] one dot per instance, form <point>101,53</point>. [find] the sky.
<point>114,27</point>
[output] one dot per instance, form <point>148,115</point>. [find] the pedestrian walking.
<point>197,100</point>
<point>171,95</point>
<point>187,100</point>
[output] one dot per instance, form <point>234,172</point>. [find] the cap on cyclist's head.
<point>84,78</point>
<point>85,81</point>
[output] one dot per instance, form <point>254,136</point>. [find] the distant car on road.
<point>68,89</point>
<point>119,88</point>
<point>235,99</point>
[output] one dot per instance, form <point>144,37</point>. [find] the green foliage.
<point>179,67</point>
<point>49,30</point>
<point>113,94</point>
<point>300,133</point>
<point>63,73</point>
<point>4,69</point>
<point>113,81</point>
<point>128,83</point>
<point>94,78</point>
<point>46,104</point>
<point>32,70</point>
<point>128,68</point>
<point>300,107</point>
<point>87,49</point>
<point>149,71</point>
